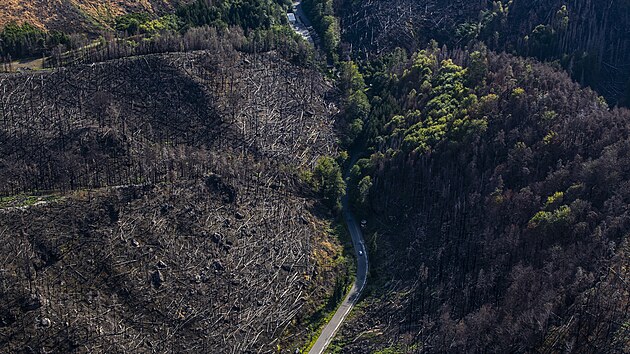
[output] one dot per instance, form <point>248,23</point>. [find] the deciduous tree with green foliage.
<point>322,14</point>
<point>356,103</point>
<point>328,182</point>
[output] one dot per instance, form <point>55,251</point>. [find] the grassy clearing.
<point>23,200</point>
<point>28,64</point>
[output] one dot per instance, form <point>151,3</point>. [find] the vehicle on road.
<point>351,298</point>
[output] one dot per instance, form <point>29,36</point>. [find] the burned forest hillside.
<point>315,176</point>
<point>590,39</point>
<point>153,118</point>
<point>153,204</point>
<point>497,191</point>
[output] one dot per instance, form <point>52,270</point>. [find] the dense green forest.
<point>18,41</point>
<point>322,14</point>
<point>244,13</point>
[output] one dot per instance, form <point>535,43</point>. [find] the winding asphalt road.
<point>301,27</point>
<point>359,283</point>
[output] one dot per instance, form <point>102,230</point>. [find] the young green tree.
<point>364,189</point>
<point>477,68</point>
<point>356,102</point>
<point>328,181</point>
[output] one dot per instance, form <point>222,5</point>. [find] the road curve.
<point>359,283</point>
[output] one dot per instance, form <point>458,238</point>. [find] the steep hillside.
<point>497,192</point>
<point>111,120</point>
<point>590,39</point>
<point>173,218</point>
<point>379,26</point>
<point>77,15</point>
<point>169,267</point>
<point>173,186</point>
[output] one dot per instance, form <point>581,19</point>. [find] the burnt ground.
<point>178,222</point>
